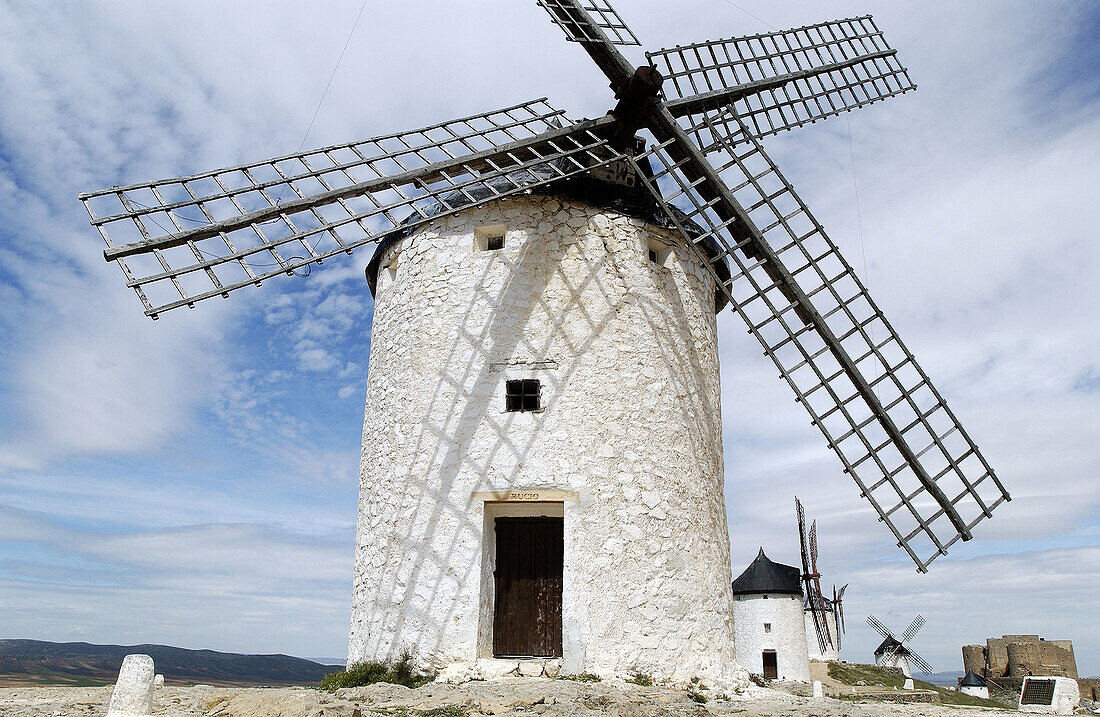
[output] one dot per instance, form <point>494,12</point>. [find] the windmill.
<point>838,612</point>
<point>823,614</point>
<point>895,652</point>
<point>680,157</point>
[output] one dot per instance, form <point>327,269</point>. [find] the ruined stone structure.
<point>1012,657</point>
<point>543,359</point>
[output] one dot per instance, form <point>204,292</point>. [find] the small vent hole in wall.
<point>490,238</point>
<point>658,252</point>
<point>767,627</point>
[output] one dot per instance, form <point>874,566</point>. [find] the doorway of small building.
<point>771,665</point>
<point>528,582</point>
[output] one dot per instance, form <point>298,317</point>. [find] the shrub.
<point>583,677</point>
<point>367,673</point>
<point>700,698</point>
<point>641,678</point>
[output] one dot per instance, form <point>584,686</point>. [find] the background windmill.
<point>896,652</point>
<point>838,612</point>
<point>823,615</point>
<point>699,157</point>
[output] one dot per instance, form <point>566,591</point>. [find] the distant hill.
<point>949,678</point>
<point>34,662</point>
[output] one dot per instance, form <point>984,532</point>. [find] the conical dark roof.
<point>764,576</point>
<point>891,643</point>
<point>972,679</point>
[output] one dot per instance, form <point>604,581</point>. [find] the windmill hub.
<point>636,97</point>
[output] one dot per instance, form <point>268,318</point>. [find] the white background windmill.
<point>964,126</point>
<point>897,651</point>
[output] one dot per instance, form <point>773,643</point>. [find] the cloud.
<point>243,579</point>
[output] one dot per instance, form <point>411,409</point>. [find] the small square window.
<point>653,255</point>
<point>490,238</point>
<point>767,627</point>
<point>522,395</point>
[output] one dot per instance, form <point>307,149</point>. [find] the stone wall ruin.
<point>1010,658</point>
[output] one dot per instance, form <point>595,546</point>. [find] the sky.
<point>193,481</point>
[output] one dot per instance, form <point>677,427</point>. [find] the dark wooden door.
<point>771,665</point>
<point>527,618</point>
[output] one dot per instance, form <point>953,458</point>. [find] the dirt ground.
<point>507,696</point>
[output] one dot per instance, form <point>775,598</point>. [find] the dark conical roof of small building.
<point>891,643</point>
<point>972,679</point>
<point>764,576</point>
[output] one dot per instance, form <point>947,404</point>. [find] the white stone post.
<point>133,694</point>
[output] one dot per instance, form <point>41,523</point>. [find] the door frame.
<point>529,611</point>
<point>494,509</point>
<point>764,664</point>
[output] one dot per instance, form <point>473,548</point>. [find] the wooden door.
<point>527,614</point>
<point>771,665</point>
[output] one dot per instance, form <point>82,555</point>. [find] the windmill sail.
<point>820,626</point>
<point>578,28</point>
<point>914,627</point>
<point>799,297</point>
<point>780,80</point>
<point>182,240</point>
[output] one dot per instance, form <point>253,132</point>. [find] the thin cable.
<point>330,77</point>
<point>855,188</point>
<point>859,222</point>
<point>731,2</point>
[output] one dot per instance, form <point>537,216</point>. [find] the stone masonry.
<point>628,441</point>
<point>1013,657</point>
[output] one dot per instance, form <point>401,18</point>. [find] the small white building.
<point>769,630</point>
<point>972,684</point>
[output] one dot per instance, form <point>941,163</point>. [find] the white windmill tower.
<point>768,622</point>
<point>895,652</point>
<point>542,462</point>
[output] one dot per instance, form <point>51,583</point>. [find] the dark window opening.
<point>771,665</point>
<point>494,242</point>
<point>522,395</point>
<point>653,255</point>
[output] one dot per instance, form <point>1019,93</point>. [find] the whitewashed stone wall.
<point>831,653</point>
<point>975,691</point>
<point>626,352</point>
<point>787,636</point>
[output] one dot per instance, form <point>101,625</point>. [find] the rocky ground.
<point>506,696</point>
